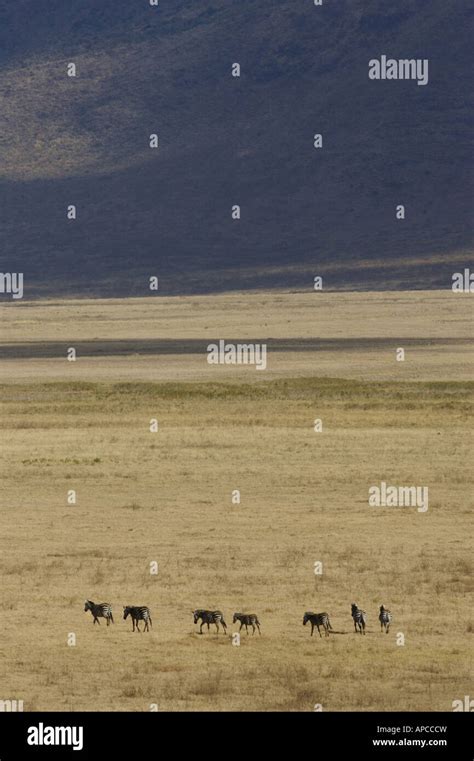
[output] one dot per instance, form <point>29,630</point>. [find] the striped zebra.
<point>385,619</point>
<point>359,617</point>
<point>99,610</point>
<point>247,619</point>
<point>318,619</point>
<point>138,613</point>
<point>210,617</point>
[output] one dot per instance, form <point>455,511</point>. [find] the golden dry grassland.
<point>166,497</point>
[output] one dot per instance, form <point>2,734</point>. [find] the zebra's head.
<point>126,612</point>
<point>353,607</point>
<point>236,617</point>
<point>382,609</point>
<point>197,615</point>
<point>88,605</point>
<point>306,618</point>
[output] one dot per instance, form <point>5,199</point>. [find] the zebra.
<point>359,617</point>
<point>317,619</point>
<point>100,610</point>
<point>210,617</point>
<point>247,619</point>
<point>138,613</point>
<point>385,619</point>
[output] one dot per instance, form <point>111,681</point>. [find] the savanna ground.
<point>166,497</point>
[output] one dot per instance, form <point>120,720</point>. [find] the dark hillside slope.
<point>226,141</point>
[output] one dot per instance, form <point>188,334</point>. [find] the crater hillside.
<point>227,140</point>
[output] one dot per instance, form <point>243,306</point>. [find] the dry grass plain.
<point>166,497</point>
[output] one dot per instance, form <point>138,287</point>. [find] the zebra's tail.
<point>363,619</point>
<point>149,618</point>
<point>111,617</point>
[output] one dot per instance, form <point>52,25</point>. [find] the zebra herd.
<point>216,617</point>
<point>359,617</point>
<point>104,610</point>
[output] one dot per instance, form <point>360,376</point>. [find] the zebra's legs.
<point>258,627</point>
<point>247,629</point>
<point>96,620</point>
<point>312,628</point>
<point>319,631</point>
<point>200,629</point>
<point>241,624</point>
<point>253,629</point>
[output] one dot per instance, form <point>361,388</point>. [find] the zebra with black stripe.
<point>247,619</point>
<point>99,610</point>
<point>318,620</point>
<point>359,617</point>
<point>138,613</point>
<point>210,617</point>
<point>385,619</point>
